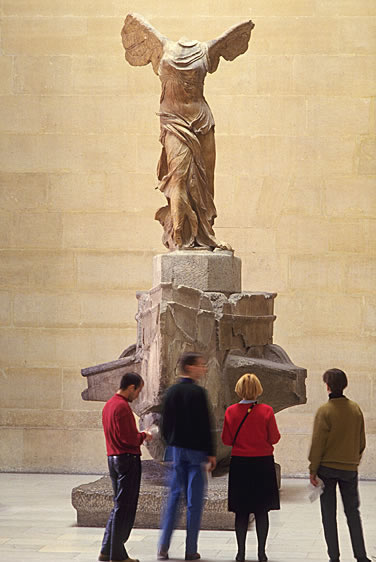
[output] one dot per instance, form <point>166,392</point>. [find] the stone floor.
<point>37,524</point>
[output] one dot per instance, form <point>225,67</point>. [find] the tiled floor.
<point>37,524</point>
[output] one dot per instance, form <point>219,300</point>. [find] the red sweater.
<point>120,431</point>
<point>258,433</point>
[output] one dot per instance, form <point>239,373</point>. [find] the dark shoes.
<point>163,555</point>
<point>106,558</point>
<point>240,557</point>
<point>358,560</point>
<point>126,560</point>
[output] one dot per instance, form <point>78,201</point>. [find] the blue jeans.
<point>187,477</point>
<point>348,486</point>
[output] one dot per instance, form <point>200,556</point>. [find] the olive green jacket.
<point>338,438</point>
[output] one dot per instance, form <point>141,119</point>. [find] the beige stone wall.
<point>295,191</point>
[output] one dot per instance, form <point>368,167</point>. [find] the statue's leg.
<point>178,161</point>
<point>207,143</point>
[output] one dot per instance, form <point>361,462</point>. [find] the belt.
<point>124,455</point>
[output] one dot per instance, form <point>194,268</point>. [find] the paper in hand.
<point>315,492</point>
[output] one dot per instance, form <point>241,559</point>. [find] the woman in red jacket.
<point>251,430</point>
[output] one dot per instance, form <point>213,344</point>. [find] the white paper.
<point>154,430</point>
<point>315,492</point>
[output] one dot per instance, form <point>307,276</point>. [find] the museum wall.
<point>295,193</point>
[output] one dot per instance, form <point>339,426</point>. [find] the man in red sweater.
<point>123,442</point>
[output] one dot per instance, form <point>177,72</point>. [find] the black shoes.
<point>163,555</point>
<point>240,557</point>
<point>126,560</point>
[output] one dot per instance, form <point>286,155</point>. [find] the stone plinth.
<point>218,271</point>
<point>196,304</point>
<point>94,501</point>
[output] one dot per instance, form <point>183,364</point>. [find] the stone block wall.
<point>295,192</point>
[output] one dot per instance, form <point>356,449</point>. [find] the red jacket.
<point>120,431</point>
<point>258,433</point>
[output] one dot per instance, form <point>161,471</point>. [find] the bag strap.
<point>249,410</point>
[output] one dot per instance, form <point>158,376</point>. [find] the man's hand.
<point>148,436</point>
<point>313,480</point>
<point>212,461</point>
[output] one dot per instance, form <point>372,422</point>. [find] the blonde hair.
<point>248,387</point>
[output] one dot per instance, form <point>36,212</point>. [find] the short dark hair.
<point>189,358</point>
<point>335,379</point>
<point>130,378</point>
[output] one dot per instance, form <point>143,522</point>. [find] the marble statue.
<point>186,164</point>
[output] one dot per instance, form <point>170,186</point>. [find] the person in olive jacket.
<point>338,441</point>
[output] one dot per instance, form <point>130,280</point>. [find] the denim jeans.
<point>125,473</point>
<point>187,478</point>
<point>348,486</point>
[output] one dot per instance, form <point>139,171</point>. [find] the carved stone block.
<point>204,270</point>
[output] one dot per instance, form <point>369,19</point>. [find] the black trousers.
<point>125,473</point>
<point>348,486</point>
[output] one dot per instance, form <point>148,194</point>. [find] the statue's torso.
<point>182,72</point>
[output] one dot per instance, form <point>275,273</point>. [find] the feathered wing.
<point>230,44</point>
<point>142,43</point>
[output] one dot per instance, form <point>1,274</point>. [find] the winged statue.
<point>187,161</point>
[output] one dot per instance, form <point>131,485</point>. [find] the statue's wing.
<point>230,44</point>
<point>142,43</point>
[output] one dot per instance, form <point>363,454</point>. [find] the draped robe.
<point>185,172</point>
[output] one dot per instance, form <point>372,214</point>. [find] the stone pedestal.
<point>94,502</point>
<point>196,304</point>
<point>207,271</point>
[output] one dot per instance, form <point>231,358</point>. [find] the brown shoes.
<point>162,554</point>
<point>195,556</point>
<point>103,557</point>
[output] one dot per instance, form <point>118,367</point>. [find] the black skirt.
<point>252,485</point>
